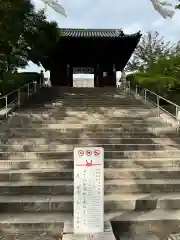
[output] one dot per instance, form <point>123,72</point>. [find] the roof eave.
<point>95,33</point>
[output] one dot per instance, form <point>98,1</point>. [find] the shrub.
<point>162,85</point>
<point>12,81</point>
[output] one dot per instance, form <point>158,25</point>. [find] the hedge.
<point>12,81</point>
<point>162,85</point>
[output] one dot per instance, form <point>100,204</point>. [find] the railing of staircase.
<point>162,104</point>
<point>16,97</point>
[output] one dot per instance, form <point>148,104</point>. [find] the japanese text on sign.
<point>88,190</point>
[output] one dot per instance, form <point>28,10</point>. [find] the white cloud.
<point>130,15</point>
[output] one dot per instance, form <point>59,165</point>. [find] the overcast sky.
<point>130,15</point>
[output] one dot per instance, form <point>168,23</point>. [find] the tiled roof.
<point>106,33</point>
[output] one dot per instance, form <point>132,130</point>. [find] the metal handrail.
<point>144,93</point>
<point>26,90</point>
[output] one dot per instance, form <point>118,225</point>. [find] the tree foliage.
<point>43,40</point>
<point>24,34</point>
<point>12,24</point>
<point>152,46</point>
<point>158,65</point>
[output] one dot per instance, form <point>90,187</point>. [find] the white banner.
<point>55,6</point>
<point>88,190</point>
<point>165,9</point>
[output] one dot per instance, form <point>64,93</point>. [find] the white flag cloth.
<point>165,9</point>
<point>56,6</point>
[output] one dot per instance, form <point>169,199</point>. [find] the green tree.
<point>166,66</point>
<point>24,34</point>
<point>42,39</point>
<point>152,46</point>
<point>13,48</point>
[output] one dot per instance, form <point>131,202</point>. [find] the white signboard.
<point>88,190</point>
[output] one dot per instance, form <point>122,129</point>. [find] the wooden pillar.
<point>114,75</point>
<point>96,75</point>
<point>70,75</point>
<point>100,74</point>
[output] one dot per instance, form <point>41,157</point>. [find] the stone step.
<point>107,154</point>
<point>77,107</point>
<point>53,223</point>
<point>104,112</point>
<point>88,129</point>
<point>148,226</point>
<point>21,121</point>
<point>37,223</point>
<point>90,143</point>
<point>94,117</point>
<point>151,225</point>
<point>36,236</point>
<point>60,111</point>
<point>88,103</point>
<point>109,173</point>
<point>65,187</point>
<point>64,101</point>
<point>81,105</point>
<point>17,122</point>
<point>49,135</point>
<point>106,141</point>
<point>85,108</point>
<point>39,164</point>
<point>159,221</point>
<point>112,202</point>
<point>85,124</point>
<point>97,236</point>
<point>111,96</point>
<point>75,123</point>
<point>23,117</point>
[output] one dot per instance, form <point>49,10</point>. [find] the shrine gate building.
<point>98,51</point>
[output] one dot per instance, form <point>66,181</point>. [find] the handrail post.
<point>35,86</point>
<point>145,96</point>
<point>6,99</point>
<point>19,97</point>
<point>158,106</point>
<point>136,89</point>
<point>40,82</point>
<point>177,119</point>
<point>28,90</point>
<point>129,87</point>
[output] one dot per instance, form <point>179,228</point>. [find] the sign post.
<point>88,190</point>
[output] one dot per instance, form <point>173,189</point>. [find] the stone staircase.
<point>142,165</point>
